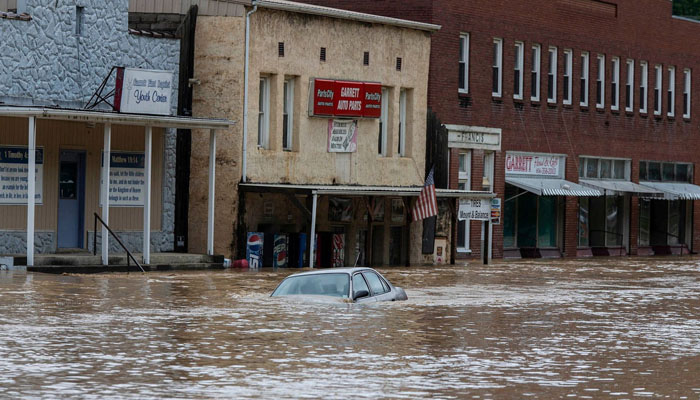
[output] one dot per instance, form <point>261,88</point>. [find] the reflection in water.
<point>584,329</point>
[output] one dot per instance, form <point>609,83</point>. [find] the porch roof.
<point>675,190</point>
<point>357,190</point>
<point>552,187</point>
<point>613,187</point>
<point>102,117</point>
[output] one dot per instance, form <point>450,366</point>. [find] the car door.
<point>359,283</point>
<point>380,290</point>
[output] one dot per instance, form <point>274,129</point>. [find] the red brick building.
<point>582,115</point>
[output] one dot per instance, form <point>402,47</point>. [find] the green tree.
<point>687,8</point>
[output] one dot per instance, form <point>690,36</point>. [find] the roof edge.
<point>291,6</point>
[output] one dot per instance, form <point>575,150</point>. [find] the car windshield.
<point>336,285</point>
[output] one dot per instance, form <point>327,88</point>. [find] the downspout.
<point>245,91</point>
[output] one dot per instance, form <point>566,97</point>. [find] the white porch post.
<point>31,189</point>
<point>313,230</point>
<point>147,196</point>
<point>212,189</point>
<point>104,191</point>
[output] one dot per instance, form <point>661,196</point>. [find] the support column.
<point>148,148</point>
<point>104,191</point>
<point>31,189</point>
<point>212,189</point>
<point>313,230</point>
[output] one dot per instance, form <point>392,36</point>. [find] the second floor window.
<point>383,121</point>
<point>629,87</point>
<point>402,124</point>
<point>615,85</point>
<point>643,85</point>
<point>552,76</point>
<point>600,83</point>
<point>584,79</point>
<point>464,63</point>
<point>288,115</point>
<point>264,112</point>
<point>686,93</point>
<point>657,90</point>
<point>518,71</point>
<point>671,91</point>
<point>496,69</point>
<point>535,73</point>
<point>568,72</point>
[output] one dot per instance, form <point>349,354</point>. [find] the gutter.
<point>244,170</point>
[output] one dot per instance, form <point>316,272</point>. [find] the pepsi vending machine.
<point>280,251</point>
<point>254,249</point>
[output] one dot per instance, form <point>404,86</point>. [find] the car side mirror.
<point>360,294</point>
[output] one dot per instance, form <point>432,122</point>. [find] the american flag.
<point>426,206</point>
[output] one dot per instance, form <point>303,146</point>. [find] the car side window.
<point>358,283</point>
<point>375,283</point>
<point>386,285</point>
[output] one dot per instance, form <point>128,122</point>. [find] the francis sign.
<point>336,98</point>
<point>143,91</point>
<point>13,175</point>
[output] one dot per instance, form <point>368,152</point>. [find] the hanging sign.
<point>143,91</point>
<point>474,209</point>
<point>496,211</point>
<point>127,179</point>
<point>342,136</point>
<point>13,175</point>
<point>533,164</point>
<point>330,98</point>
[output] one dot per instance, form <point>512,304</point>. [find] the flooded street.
<point>609,328</point>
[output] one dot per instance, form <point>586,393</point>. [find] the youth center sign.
<point>127,179</point>
<point>143,91</point>
<point>337,98</point>
<point>14,161</point>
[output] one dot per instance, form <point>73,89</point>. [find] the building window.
<point>497,70</point>
<point>600,83</point>
<point>604,168</point>
<point>383,123</point>
<point>518,71</point>
<point>657,90</point>
<point>686,93</point>
<point>629,87</point>
<point>465,162</point>
<point>671,91</point>
<point>552,76</point>
<point>643,85</point>
<point>264,112</point>
<point>535,73</point>
<point>464,63</point>
<point>487,179</point>
<point>568,72</point>
<point>584,79</point>
<point>656,171</point>
<point>79,12</point>
<point>288,115</point>
<point>615,85</point>
<point>402,123</point>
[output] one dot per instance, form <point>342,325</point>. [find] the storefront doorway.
<point>71,199</point>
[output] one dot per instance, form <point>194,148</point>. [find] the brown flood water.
<point>617,328</point>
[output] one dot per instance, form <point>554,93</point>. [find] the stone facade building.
<point>597,106</point>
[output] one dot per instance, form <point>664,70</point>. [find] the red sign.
<point>346,98</point>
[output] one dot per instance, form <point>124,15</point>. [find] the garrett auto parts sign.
<point>338,98</point>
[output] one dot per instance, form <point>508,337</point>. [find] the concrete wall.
<point>219,62</point>
<point>44,62</point>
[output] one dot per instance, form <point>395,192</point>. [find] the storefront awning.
<point>675,190</point>
<point>611,188</point>
<point>351,190</point>
<point>552,187</point>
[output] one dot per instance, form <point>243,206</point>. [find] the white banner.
<point>533,164</point>
<point>13,175</point>
<point>474,209</point>
<point>146,91</point>
<point>342,136</point>
<point>127,180</point>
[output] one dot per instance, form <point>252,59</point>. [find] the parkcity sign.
<point>336,98</point>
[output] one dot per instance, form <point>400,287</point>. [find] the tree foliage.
<point>687,8</point>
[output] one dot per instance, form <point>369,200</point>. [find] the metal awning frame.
<point>602,187</point>
<point>349,190</point>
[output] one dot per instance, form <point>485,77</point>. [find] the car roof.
<point>348,271</point>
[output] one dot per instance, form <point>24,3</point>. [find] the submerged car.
<point>357,285</point>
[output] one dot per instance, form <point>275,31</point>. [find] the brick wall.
<point>632,29</point>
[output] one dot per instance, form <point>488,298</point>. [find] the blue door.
<point>71,199</point>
